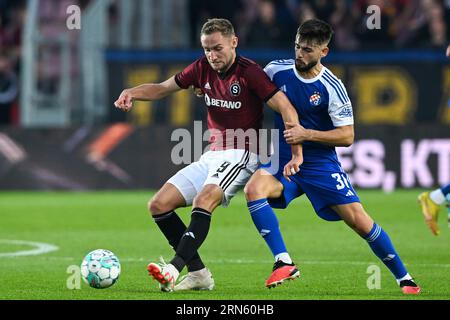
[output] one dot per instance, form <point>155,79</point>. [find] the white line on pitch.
<point>250,261</point>
<point>40,248</point>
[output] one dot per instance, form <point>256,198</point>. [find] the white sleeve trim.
<point>277,65</point>
<point>341,113</point>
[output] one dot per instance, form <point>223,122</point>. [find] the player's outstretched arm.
<point>339,137</point>
<point>280,103</point>
<point>146,92</point>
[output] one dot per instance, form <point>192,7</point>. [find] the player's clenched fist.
<point>125,100</point>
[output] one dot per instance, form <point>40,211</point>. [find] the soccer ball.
<point>100,269</point>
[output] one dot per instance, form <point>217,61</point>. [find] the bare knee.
<point>355,227</point>
<point>355,217</point>
<point>209,198</point>
<point>360,222</point>
<point>157,207</point>
<point>168,198</point>
<point>254,191</point>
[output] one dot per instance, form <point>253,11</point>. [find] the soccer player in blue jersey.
<point>326,121</point>
<point>430,203</point>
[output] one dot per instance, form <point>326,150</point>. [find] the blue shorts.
<point>324,187</point>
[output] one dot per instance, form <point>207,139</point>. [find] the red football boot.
<point>282,271</point>
<point>409,287</point>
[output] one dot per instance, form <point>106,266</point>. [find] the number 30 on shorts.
<point>342,181</point>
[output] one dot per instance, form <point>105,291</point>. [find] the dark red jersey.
<point>234,99</point>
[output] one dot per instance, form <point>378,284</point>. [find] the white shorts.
<point>229,169</point>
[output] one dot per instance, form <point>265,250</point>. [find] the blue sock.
<point>446,190</point>
<point>381,245</point>
<point>266,222</point>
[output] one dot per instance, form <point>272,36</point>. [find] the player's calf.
<point>262,185</point>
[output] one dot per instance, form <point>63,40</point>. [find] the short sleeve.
<point>189,76</point>
<point>339,105</point>
<point>277,65</point>
<point>259,83</point>
<point>269,70</point>
<point>340,109</point>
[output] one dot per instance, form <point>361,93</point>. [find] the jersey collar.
<point>231,70</point>
<point>308,80</point>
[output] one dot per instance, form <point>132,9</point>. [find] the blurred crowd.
<point>11,25</point>
<point>52,21</point>
<point>273,23</point>
<point>404,24</point>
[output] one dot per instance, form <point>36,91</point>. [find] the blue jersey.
<point>322,104</point>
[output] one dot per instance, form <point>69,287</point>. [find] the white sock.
<point>284,256</point>
<point>406,277</point>
<point>437,196</point>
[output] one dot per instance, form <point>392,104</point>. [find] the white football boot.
<point>165,274</point>
<point>196,280</point>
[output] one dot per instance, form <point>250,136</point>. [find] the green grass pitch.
<point>333,260</point>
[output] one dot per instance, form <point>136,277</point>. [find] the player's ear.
<point>324,52</point>
<point>234,42</point>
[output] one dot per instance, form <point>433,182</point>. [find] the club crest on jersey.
<point>235,89</point>
<point>315,99</point>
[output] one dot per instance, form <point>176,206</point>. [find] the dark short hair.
<point>224,26</point>
<point>315,31</point>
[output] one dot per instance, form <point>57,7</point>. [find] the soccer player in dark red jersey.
<point>235,89</point>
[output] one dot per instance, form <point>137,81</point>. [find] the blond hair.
<point>223,26</point>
